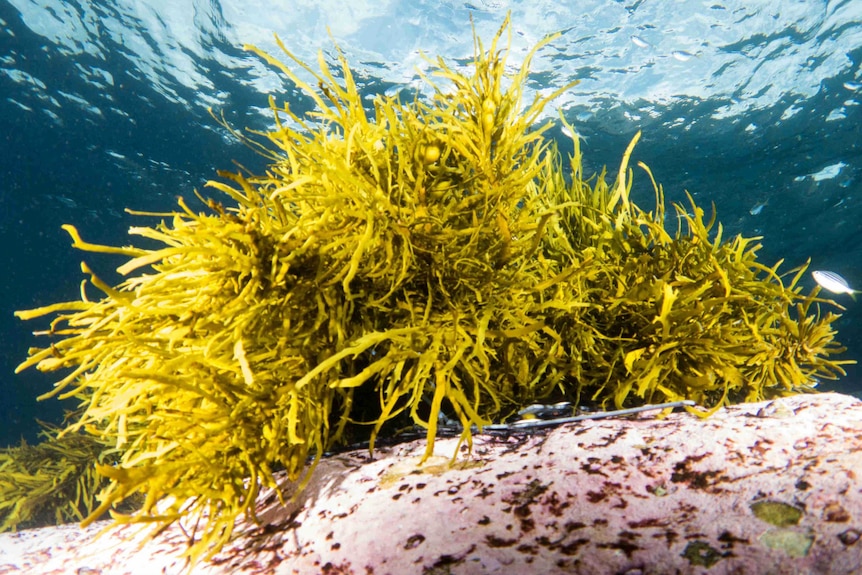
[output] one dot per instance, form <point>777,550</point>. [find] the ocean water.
<point>752,106</point>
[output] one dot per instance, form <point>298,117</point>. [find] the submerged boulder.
<point>770,487</point>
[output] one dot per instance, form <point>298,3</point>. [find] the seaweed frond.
<point>53,482</point>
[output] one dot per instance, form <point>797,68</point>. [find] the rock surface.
<point>773,487</point>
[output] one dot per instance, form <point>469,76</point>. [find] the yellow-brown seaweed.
<point>426,258</point>
<point>53,481</point>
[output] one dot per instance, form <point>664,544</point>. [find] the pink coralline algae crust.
<point>771,487</point>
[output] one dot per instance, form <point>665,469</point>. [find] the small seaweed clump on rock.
<point>394,265</point>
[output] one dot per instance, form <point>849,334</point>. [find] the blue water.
<point>103,105</point>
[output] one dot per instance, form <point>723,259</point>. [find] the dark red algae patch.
<point>414,541</point>
<point>596,496</point>
<point>555,505</point>
<point>520,502</point>
<point>728,540</point>
<point>527,495</point>
<point>444,563</point>
<point>330,569</point>
<point>849,537</point>
<point>528,549</point>
<point>833,512</point>
<point>625,543</point>
<point>494,541</point>
<point>570,548</point>
<point>683,473</point>
<point>652,522</point>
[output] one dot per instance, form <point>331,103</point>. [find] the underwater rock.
<point>772,484</point>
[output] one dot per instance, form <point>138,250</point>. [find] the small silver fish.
<point>832,282</point>
<point>758,207</point>
<point>571,134</point>
<point>681,55</point>
<point>640,42</point>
